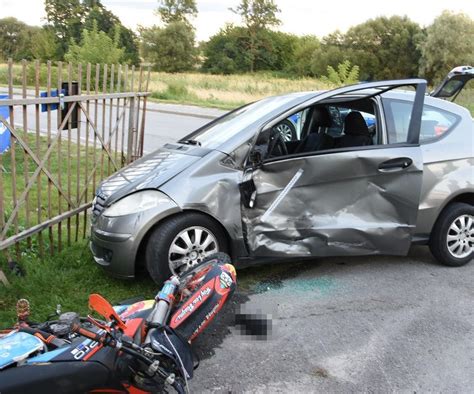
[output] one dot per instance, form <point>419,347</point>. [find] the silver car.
<point>372,169</point>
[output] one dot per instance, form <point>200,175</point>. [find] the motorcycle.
<point>136,347</point>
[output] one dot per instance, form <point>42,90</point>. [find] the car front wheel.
<point>180,243</point>
<point>452,239</point>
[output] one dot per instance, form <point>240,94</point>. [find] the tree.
<point>227,51</point>
<point>449,42</point>
<point>385,48</point>
<point>169,48</point>
<point>66,18</point>
<point>96,47</point>
<point>108,22</point>
<point>45,45</point>
<point>16,39</point>
<point>305,49</point>
<point>176,10</point>
<point>258,16</point>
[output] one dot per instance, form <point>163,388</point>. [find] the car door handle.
<point>397,164</point>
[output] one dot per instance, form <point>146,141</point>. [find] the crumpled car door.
<point>349,202</point>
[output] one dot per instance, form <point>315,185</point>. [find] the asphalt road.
<point>362,324</point>
<point>164,122</point>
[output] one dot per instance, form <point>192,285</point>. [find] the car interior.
<point>328,126</point>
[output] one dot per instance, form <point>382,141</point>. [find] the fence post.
<point>131,129</point>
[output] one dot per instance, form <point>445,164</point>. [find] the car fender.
<point>442,183</point>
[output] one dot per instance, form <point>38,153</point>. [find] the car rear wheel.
<point>180,243</point>
<point>452,239</point>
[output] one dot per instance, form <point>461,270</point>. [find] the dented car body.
<point>336,189</point>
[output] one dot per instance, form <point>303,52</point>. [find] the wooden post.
<point>39,204</point>
<point>4,279</point>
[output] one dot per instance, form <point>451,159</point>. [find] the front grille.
<point>98,205</point>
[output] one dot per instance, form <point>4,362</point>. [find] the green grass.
<point>59,166</point>
<point>67,279</point>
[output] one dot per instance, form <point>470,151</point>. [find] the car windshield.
<point>215,133</point>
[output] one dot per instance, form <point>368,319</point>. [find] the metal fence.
<point>70,127</point>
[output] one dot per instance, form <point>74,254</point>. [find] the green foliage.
<point>175,91</point>
<point>66,279</point>
<point>65,17</point>
<point>224,52</point>
<point>107,22</point>
<point>68,18</point>
<point>346,74</point>
<point>232,50</point>
<point>96,47</point>
<point>449,42</point>
<point>384,48</point>
<point>171,48</point>
<point>171,11</point>
<point>16,39</point>
<point>45,45</point>
<point>306,47</point>
<point>258,16</point>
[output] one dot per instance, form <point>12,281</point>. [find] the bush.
<point>96,47</point>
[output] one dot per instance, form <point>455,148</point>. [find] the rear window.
<point>435,122</point>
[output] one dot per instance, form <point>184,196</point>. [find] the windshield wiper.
<point>190,142</point>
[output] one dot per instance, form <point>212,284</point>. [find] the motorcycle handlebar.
<point>77,328</point>
<point>127,347</point>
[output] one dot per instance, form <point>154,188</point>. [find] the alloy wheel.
<point>285,131</point>
<point>190,247</point>
<point>460,237</point>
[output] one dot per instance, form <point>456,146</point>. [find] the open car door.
<point>345,201</point>
<point>455,81</point>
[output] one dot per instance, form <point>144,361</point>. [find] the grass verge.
<point>67,279</point>
<point>71,275</point>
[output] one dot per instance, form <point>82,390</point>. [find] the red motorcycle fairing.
<point>191,318</point>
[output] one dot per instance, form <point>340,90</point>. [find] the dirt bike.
<point>137,347</point>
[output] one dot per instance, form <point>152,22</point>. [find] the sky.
<point>298,16</point>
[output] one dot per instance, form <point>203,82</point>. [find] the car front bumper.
<point>115,240</point>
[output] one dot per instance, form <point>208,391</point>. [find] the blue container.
<point>4,131</point>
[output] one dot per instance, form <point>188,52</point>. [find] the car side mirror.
<point>256,157</point>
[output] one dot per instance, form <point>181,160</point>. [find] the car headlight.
<point>136,202</point>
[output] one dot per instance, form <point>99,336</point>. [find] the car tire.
<point>287,130</point>
<point>459,249</point>
<point>179,234</point>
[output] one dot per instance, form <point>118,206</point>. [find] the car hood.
<point>149,172</point>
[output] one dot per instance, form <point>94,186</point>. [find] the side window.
<point>291,128</point>
<point>435,122</point>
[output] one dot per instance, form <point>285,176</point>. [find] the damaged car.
<point>370,169</point>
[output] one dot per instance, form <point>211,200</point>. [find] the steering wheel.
<point>276,145</point>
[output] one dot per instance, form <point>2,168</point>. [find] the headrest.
<point>321,117</point>
<point>354,124</point>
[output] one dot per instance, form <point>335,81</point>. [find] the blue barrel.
<point>4,131</point>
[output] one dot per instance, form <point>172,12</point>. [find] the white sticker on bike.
<point>282,195</point>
